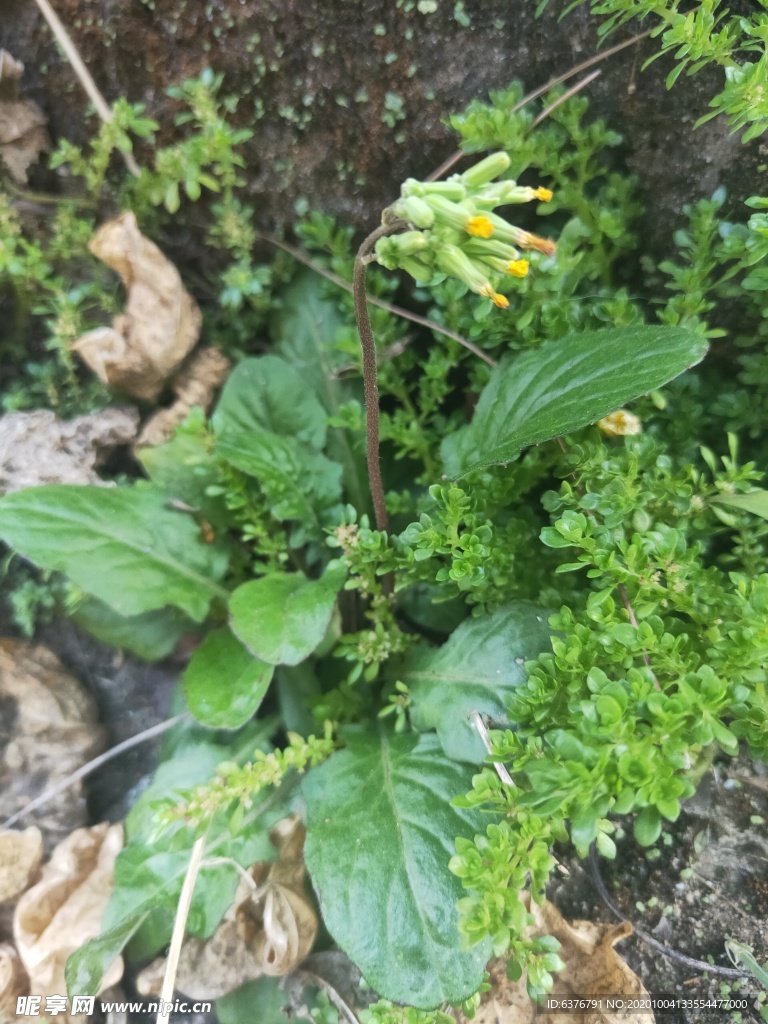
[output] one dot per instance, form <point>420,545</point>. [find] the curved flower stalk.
<point>453,229</point>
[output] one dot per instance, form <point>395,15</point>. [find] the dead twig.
<point>84,76</point>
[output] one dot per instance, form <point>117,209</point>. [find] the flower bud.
<point>486,170</point>
<point>456,263</point>
<point>453,189</point>
<point>414,211</point>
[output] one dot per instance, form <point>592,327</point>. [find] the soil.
<point>704,882</point>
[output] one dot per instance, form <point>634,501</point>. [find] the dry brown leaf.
<point>38,448</point>
<point>196,385</point>
<point>161,324</point>
<point>592,969</point>
<point>23,132</point>
<point>64,910</point>
<point>269,929</point>
<point>20,857</point>
<point>48,729</point>
<point>13,981</point>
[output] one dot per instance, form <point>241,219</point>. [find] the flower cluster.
<point>454,230</point>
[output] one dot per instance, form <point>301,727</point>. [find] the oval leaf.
<point>564,385</point>
<point>282,617</point>
<point>475,670</point>
<point>755,502</point>
<point>380,833</point>
<point>268,393</point>
<point>224,683</point>
<point>123,545</point>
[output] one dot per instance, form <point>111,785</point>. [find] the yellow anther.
<point>518,268</point>
<point>480,226</point>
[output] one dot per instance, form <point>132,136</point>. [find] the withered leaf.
<point>23,132</point>
<point>196,385</point>
<point>20,857</point>
<point>64,909</point>
<point>161,323</point>
<point>13,981</point>
<point>269,929</point>
<point>38,448</point>
<point>48,729</point>
<point>592,968</point>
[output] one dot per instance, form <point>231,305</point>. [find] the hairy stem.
<point>370,383</point>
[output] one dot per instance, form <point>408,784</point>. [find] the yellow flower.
<point>620,423</point>
<point>544,194</point>
<point>498,300</point>
<point>479,226</point>
<point>518,268</point>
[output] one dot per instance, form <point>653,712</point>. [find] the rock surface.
<point>348,98</point>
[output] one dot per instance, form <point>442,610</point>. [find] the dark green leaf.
<point>282,617</point>
<point>267,393</point>
<point>305,329</point>
<point>224,683</point>
<point>151,635</point>
<point>755,502</point>
<point>381,831</point>
<point>564,385</point>
<point>475,670</point>
<point>185,467</point>
<point>123,545</point>
<point>257,1002</point>
<point>296,481</point>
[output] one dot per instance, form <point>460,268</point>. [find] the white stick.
<point>501,771</point>
<point>179,927</point>
<point>86,80</point>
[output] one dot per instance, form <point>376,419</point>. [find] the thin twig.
<point>566,96</point>
<point>86,79</point>
<point>501,771</point>
<point>91,766</point>
<point>370,382</point>
<point>330,991</point>
<point>179,928</point>
<point>454,159</point>
<point>373,300</point>
<point>699,965</point>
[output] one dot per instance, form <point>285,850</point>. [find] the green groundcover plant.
<point>383,554</point>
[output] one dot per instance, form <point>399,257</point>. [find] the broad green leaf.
<point>267,393</point>
<point>151,635</point>
<point>123,545</point>
<point>88,965</point>
<point>564,385</point>
<point>296,481</point>
<point>755,502</point>
<point>380,834</point>
<point>475,670</point>
<point>305,330</point>
<point>257,1002</point>
<point>185,467</point>
<point>224,683</point>
<point>282,617</point>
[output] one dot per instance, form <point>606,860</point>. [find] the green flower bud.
<point>456,263</point>
<point>488,169</point>
<point>392,249</point>
<point>418,270</point>
<point>453,189</point>
<point>452,214</point>
<point>414,211</point>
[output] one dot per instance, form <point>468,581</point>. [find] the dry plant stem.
<point>454,159</point>
<point>370,383</point>
<point>422,321</point>
<point>501,771</point>
<point>633,621</point>
<point>314,979</point>
<point>179,927</point>
<point>699,965</point>
<point>91,766</point>
<point>566,96</point>
<point>86,80</point>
